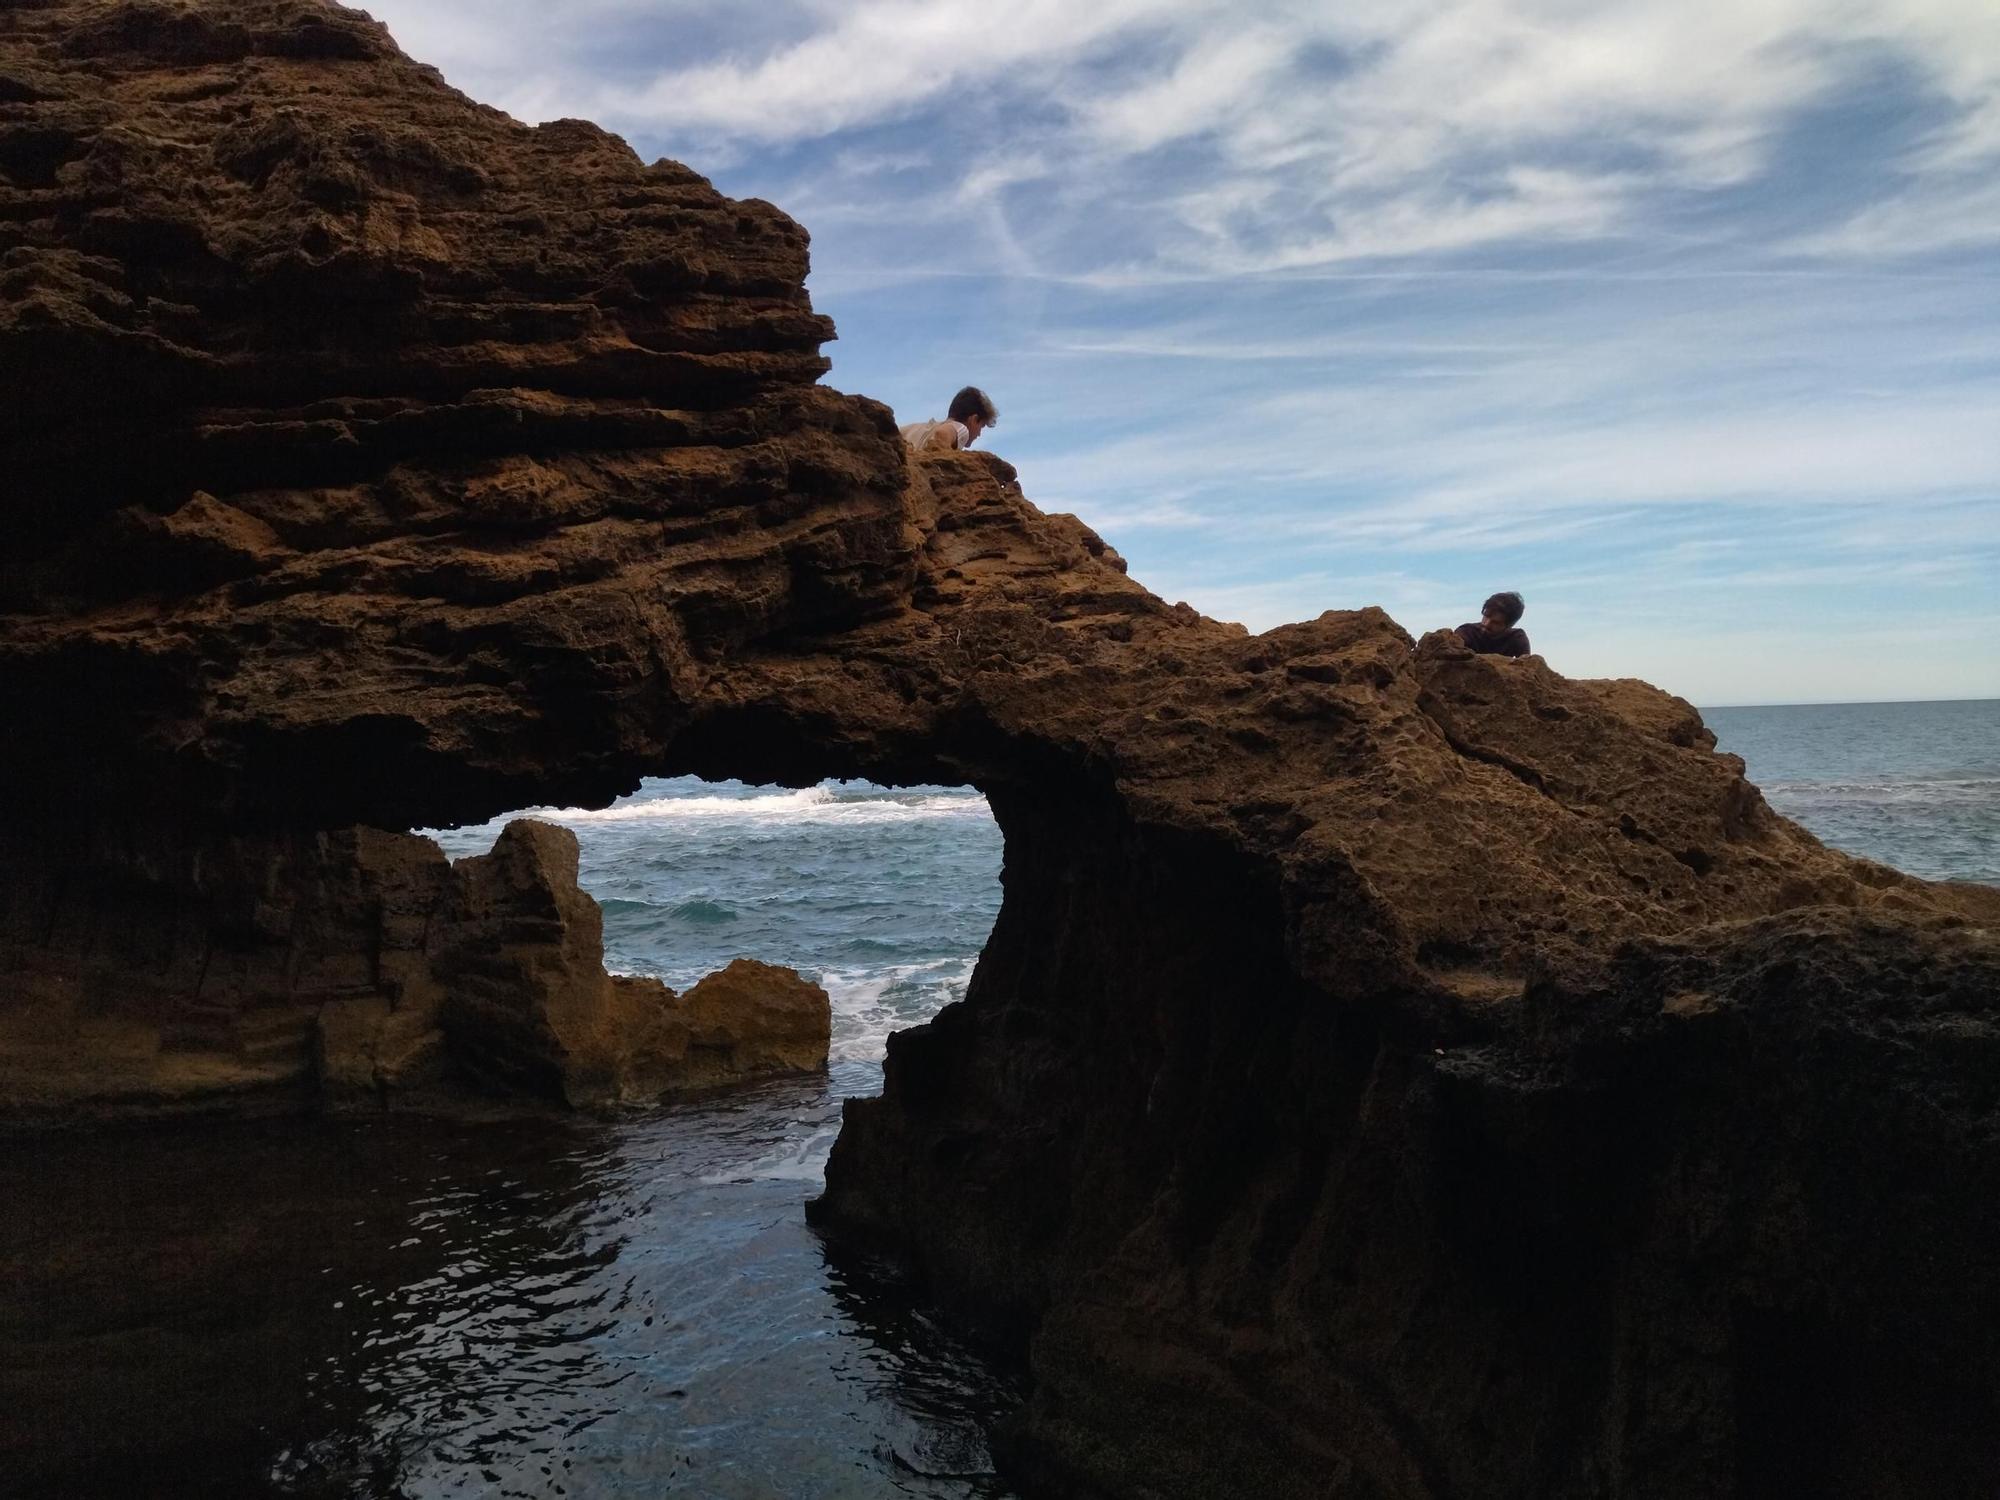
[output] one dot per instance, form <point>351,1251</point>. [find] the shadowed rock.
<point>528,1007</point>
<point>1394,1072</point>
<point>372,974</point>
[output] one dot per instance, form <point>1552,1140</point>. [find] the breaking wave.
<point>827,803</point>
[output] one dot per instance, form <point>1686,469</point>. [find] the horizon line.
<point>1847,703</point>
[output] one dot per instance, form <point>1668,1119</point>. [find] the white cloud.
<point>1466,450</point>
<point>875,60</point>
<point>1329,134</point>
<point>1623,298</point>
<point>989,179</point>
<point>1215,81</point>
<point>1944,211</point>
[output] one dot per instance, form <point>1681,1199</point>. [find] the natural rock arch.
<point>378,461</point>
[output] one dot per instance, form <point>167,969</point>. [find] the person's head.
<point>974,408</point>
<point>1501,612</point>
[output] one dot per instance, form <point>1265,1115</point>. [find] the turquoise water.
<point>636,1307</point>
<point>1914,785</point>
<point>884,897</point>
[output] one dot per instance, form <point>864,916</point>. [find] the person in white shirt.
<point>971,413</point>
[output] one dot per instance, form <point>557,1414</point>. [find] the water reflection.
<point>409,1309</point>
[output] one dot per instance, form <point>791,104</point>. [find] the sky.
<point>1681,317</point>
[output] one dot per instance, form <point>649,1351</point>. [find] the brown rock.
<point>370,1052</point>
<point>355,971</point>
<point>752,1018</point>
<point>530,1010</point>
<point>520,956</point>
<point>146,975</point>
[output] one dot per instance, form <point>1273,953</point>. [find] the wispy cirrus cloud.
<point>1304,134</point>
<point>877,60</point>
<point>1622,302</point>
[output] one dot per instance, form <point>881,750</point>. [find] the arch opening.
<point>643,1282</point>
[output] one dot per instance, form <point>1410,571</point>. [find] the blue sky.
<point>1680,317</point>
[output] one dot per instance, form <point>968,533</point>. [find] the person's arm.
<point>1517,643</point>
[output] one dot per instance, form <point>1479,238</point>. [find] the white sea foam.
<point>868,1004</point>
<point>813,804</point>
<point>1910,789</point>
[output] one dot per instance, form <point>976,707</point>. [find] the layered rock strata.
<point>511,989</point>
<point>296,341</point>
<point>351,972</point>
<point>1394,1072</point>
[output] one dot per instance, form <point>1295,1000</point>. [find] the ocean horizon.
<point>1845,703</point>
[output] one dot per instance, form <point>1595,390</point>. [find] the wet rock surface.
<point>1394,1072</point>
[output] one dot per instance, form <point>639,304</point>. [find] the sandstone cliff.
<point>1393,1073</point>
<point>302,348</point>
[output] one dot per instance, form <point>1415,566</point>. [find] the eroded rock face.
<point>528,1007</point>
<point>302,348</point>
<point>1394,1072</point>
<point>356,972</point>
<point>752,1018</point>
<point>394,411</point>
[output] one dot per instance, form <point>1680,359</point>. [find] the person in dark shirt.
<point>1497,633</point>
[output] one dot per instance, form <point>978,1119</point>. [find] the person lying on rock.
<point>1497,633</point>
<point>971,413</point>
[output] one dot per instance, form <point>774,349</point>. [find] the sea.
<point>635,1306</point>
<point>1914,785</point>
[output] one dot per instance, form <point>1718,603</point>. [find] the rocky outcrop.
<point>528,1007</point>
<point>356,972</point>
<point>295,339</point>
<point>393,411</point>
<point>1710,1216</point>
<point>751,1018</point>
<point>1394,1072</point>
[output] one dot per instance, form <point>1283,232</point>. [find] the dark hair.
<point>973,402</point>
<point>1507,606</point>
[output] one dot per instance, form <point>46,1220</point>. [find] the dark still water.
<point>509,1310</point>
<point>592,1309</point>
<point>636,1307</point>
